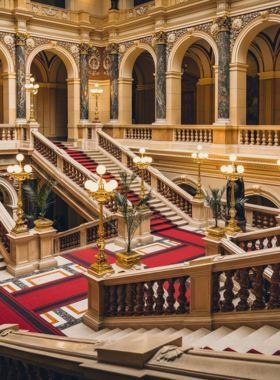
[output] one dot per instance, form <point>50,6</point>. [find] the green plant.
<point>214,202</point>
<point>41,195</point>
<point>133,213</point>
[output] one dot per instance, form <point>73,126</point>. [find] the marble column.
<point>84,96</point>
<point>114,85</point>
<point>20,76</point>
<point>224,69</point>
<point>161,78</point>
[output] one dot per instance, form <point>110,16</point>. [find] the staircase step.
<point>120,334</point>
<point>107,335</point>
<point>98,333</point>
<point>256,340</point>
<point>271,345</point>
<point>231,339</point>
<point>214,336</point>
<point>154,331</point>
<point>1,258</point>
<point>169,331</point>
<point>183,333</point>
<point>3,265</point>
<point>194,336</point>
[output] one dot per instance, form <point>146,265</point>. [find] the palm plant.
<point>41,195</point>
<point>214,202</point>
<point>132,212</point>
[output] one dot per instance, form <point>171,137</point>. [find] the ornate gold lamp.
<point>231,173</point>
<point>199,158</point>
<point>20,174</point>
<point>142,163</point>
<point>33,89</point>
<point>101,191</point>
<point>96,92</point>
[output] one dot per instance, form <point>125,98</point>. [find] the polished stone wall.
<point>161,82</point>
<point>223,79</point>
<point>20,82</point>
<point>114,88</point>
<point>84,87</point>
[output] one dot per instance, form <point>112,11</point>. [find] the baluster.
<point>258,138</point>
<point>269,138</point>
<point>252,137</point>
<point>160,299</point>
<point>201,135</point>
<point>265,222</point>
<point>170,298</point>
<point>182,298</point>
<point>149,308</point>
<point>210,136</point>
<point>3,134</point>
<point>261,246</point>
<point>274,302</point>
<point>140,300</point>
<point>216,292</point>
<point>258,288</point>
<point>243,293</point>
<point>130,300</point>
<point>269,241</point>
<point>253,247</point>
<point>254,219</point>
<point>122,301</point>
<point>259,220</point>
<point>272,221</point>
<point>228,294</point>
<point>246,137</point>
<point>263,138</point>
<point>196,133</point>
<point>114,301</point>
<point>192,135</point>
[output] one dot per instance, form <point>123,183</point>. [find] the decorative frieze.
<point>94,62</point>
<point>49,12</point>
<point>106,62</point>
<point>9,41</point>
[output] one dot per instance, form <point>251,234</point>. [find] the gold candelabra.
<point>20,174</point>
<point>199,158</point>
<point>96,92</point>
<point>142,163</point>
<point>101,191</point>
<point>232,174</point>
<point>33,89</point>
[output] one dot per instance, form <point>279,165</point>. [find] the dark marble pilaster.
<point>224,61</point>
<point>114,84</point>
<point>84,48</point>
<point>161,77</point>
<point>20,75</point>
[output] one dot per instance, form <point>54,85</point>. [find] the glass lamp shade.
<point>229,169</point>
<point>20,157</point>
<point>114,184</point>
<point>101,169</point>
<point>200,155</point>
<point>240,169</point>
<point>17,169</point>
<point>194,155</point>
<point>92,186</point>
<point>232,157</point>
<point>205,155</point>
<point>223,169</point>
<point>10,169</point>
<point>36,86</point>
<point>27,168</point>
<point>278,162</point>
<point>136,160</point>
<point>150,160</point>
<point>199,147</point>
<point>108,187</point>
<point>32,79</point>
<point>142,150</point>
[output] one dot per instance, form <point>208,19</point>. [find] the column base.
<point>113,121</point>
<point>160,122</point>
<point>223,122</point>
<point>20,121</point>
<point>84,121</point>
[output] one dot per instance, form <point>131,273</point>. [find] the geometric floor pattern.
<point>53,300</point>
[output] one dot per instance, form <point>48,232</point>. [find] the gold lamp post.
<point>33,89</point>
<point>101,191</point>
<point>96,92</point>
<point>231,173</point>
<point>20,174</point>
<point>142,163</point>
<point>199,158</point>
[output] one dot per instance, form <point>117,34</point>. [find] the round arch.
<point>247,35</point>
<point>66,57</point>
<point>263,192</point>
<point>130,57</point>
<point>182,45</point>
<point>10,197</point>
<point>6,58</point>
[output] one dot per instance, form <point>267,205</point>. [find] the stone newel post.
<point>20,76</point>
<point>84,96</point>
<point>114,85</point>
<point>224,69</point>
<point>161,78</point>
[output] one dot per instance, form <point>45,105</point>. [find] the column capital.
<point>84,48</point>
<point>21,38</point>
<point>160,37</point>
<point>221,24</point>
<point>113,48</point>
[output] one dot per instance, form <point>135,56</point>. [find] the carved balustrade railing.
<point>3,237</point>
<point>259,135</point>
<point>194,134</point>
<point>174,197</point>
<point>8,132</point>
<point>258,240</point>
<point>136,170</point>
<point>139,133</point>
<point>84,235</point>
<point>110,147</point>
<point>48,153</point>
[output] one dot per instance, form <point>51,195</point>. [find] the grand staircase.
<point>163,216</point>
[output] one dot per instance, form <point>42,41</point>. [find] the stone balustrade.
<point>137,170</point>
<point>259,135</point>
<point>110,147</point>
<point>139,133</point>
<point>3,237</point>
<point>48,153</point>
<point>258,240</point>
<point>8,132</point>
<point>194,134</point>
<point>174,197</point>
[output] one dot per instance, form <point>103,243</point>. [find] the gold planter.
<point>216,232</point>
<point>43,224</point>
<point>126,259</point>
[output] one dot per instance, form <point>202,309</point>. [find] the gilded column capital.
<point>160,37</point>
<point>21,39</point>
<point>113,48</point>
<point>221,24</point>
<point>84,48</point>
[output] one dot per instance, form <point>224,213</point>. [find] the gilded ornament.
<point>160,37</point>
<point>223,23</point>
<point>190,31</point>
<point>106,64</point>
<point>94,62</point>
<point>113,47</point>
<point>237,24</point>
<point>21,39</point>
<point>264,15</point>
<point>8,39</point>
<point>84,48</point>
<point>30,43</point>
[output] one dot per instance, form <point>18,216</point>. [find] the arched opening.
<point>143,90</point>
<point>7,84</point>
<point>8,197</point>
<point>50,73</point>
<point>260,201</point>
<point>188,188</point>
<point>1,95</point>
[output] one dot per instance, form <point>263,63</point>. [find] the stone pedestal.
<point>198,213</point>
<point>213,244</point>
<point>30,251</point>
<point>27,140</point>
<point>87,135</point>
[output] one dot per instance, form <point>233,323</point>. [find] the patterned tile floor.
<point>68,318</point>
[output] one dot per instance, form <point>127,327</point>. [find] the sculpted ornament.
<point>74,49</point>
<point>50,12</point>
<point>8,40</point>
<point>94,61</point>
<point>214,29</point>
<point>64,16</point>
<point>122,49</point>
<point>171,38</point>
<point>264,15</point>
<point>154,41</point>
<point>30,43</point>
<point>106,64</point>
<point>190,31</point>
<point>237,24</point>
<point>170,353</point>
<point>35,9</point>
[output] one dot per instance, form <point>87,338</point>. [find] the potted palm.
<point>133,214</point>
<point>213,200</point>
<point>42,196</point>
